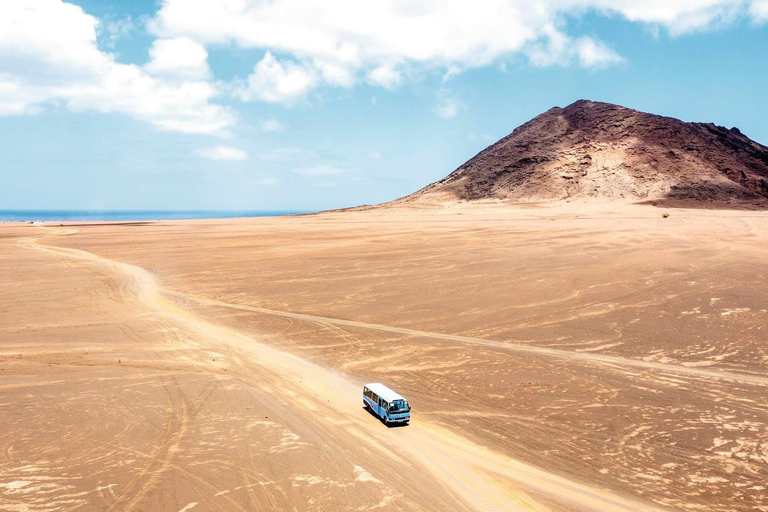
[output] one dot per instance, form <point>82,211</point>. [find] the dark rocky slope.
<point>598,150</point>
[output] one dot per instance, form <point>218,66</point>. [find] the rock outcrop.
<point>603,151</point>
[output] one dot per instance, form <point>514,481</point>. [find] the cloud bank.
<point>50,55</point>
<point>347,42</point>
<point>223,153</point>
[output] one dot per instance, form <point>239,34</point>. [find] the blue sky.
<point>254,105</point>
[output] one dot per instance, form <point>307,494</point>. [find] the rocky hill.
<point>603,151</point>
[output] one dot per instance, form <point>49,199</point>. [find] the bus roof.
<point>384,392</point>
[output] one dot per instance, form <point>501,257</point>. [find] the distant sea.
<point>132,215</point>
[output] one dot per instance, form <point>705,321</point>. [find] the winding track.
<point>586,357</point>
<point>480,478</point>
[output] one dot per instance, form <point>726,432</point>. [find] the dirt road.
<point>734,376</point>
<point>556,361</point>
<point>430,457</point>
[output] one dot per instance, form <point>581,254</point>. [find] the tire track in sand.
<point>160,460</point>
<point>509,346</point>
<point>480,478</point>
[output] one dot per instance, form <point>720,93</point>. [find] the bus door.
<point>382,407</point>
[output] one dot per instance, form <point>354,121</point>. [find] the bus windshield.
<point>399,406</point>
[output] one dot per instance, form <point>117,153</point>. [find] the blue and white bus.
<point>386,404</point>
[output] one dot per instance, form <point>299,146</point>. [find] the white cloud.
<point>223,153</point>
<point>451,72</point>
<point>116,29</point>
<point>335,74</point>
<point>677,16</point>
<point>594,54</point>
<point>447,106</point>
<point>50,57</point>
<point>345,42</point>
<point>319,170</point>
<point>273,81</point>
<point>180,57</point>
<point>385,76</point>
<point>759,10</point>
<point>556,48</point>
<point>271,126</point>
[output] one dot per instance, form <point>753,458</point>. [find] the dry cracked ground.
<point>567,357</point>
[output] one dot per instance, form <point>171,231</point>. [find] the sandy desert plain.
<point>569,356</point>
